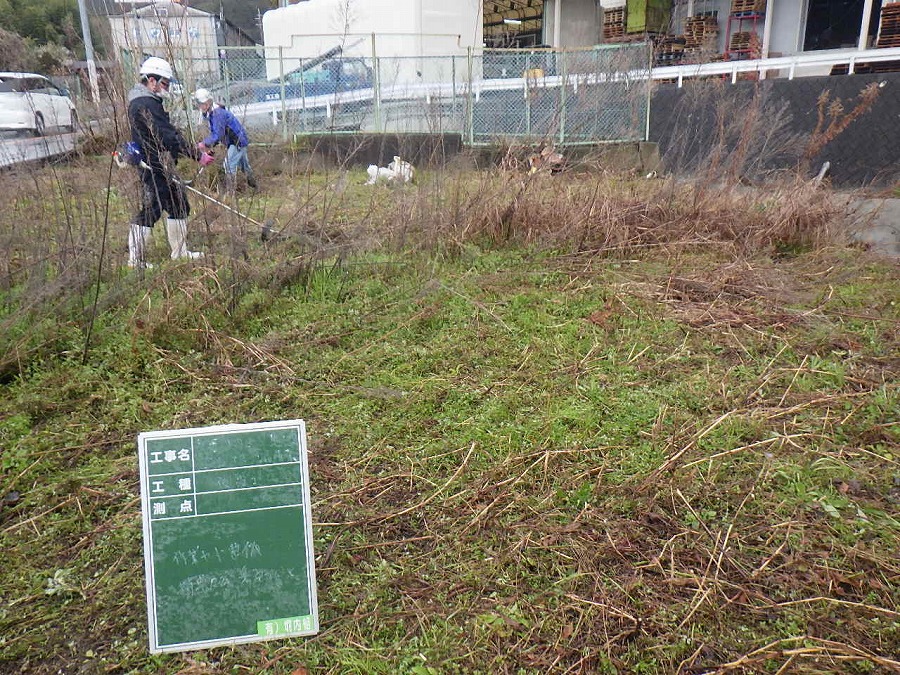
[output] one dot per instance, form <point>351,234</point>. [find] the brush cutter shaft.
<point>224,206</point>
<point>266,227</point>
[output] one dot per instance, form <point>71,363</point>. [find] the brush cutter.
<point>265,227</point>
<point>128,157</point>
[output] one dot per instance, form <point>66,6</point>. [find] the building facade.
<point>194,41</point>
<point>702,31</point>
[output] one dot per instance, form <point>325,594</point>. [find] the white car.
<point>31,102</point>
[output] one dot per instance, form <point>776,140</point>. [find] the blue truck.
<point>328,73</point>
<point>330,76</point>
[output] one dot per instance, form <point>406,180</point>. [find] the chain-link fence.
<point>570,97</point>
<point>487,96</point>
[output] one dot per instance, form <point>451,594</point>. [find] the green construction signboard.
<point>228,551</point>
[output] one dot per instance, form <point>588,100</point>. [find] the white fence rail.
<point>784,66</point>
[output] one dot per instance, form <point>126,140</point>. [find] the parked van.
<point>31,102</point>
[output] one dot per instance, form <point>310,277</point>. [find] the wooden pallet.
<point>889,32</point>
<point>741,40</point>
<point>668,50</point>
<point>701,31</point>
<point>864,68</point>
<point>701,23</point>
<point>668,59</point>
<point>614,16</point>
<point>698,55</point>
<point>748,6</point>
<point>744,45</point>
<point>613,23</point>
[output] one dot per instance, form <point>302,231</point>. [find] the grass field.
<point>584,423</point>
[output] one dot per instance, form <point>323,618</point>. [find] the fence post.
<point>302,96</point>
<point>284,131</point>
<point>649,81</point>
<point>376,93</point>
<point>527,96</point>
<point>470,109</point>
<point>562,99</point>
<point>227,78</point>
<point>453,93</point>
<point>130,68</point>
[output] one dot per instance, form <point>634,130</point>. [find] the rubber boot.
<point>251,180</point>
<point>176,229</point>
<point>138,243</point>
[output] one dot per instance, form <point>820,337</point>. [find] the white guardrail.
<point>442,90</point>
<point>817,60</point>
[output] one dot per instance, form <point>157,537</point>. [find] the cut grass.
<point>525,457</point>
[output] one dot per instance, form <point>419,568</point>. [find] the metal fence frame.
<point>455,102</point>
<point>564,97</point>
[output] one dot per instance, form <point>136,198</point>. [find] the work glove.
<point>206,159</point>
<point>201,146</point>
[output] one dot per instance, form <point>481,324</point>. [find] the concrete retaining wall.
<point>687,121</point>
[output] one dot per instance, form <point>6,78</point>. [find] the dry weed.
<point>832,119</point>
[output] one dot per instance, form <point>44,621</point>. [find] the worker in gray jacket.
<point>161,144</point>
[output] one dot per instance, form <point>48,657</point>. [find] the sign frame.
<point>300,522</point>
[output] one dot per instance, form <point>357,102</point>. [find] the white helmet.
<point>202,95</point>
<point>157,67</point>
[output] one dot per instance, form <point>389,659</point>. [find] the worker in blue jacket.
<point>225,128</point>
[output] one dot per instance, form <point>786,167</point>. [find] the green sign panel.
<point>227,535</point>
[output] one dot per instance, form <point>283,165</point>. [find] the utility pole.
<point>89,51</point>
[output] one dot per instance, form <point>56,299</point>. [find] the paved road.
<point>876,222</point>
<point>15,149</point>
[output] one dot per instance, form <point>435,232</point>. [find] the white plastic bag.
<point>403,171</point>
<point>378,173</point>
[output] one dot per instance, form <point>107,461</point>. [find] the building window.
<point>835,24</point>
